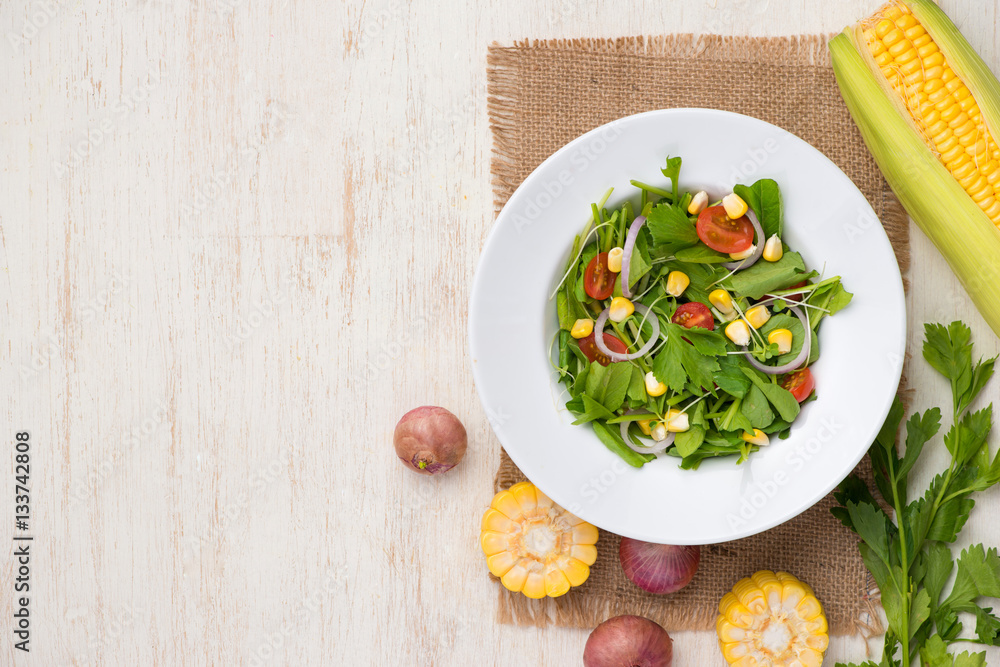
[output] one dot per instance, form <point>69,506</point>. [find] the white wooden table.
<point>236,242</point>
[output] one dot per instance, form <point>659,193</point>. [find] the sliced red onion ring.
<point>602,319</point>
<point>747,262</point>
<point>656,448</point>
<point>799,359</point>
<point>633,234</point>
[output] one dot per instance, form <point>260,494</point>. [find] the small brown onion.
<point>658,568</point>
<point>430,440</point>
<point>628,641</point>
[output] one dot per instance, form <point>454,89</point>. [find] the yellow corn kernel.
<point>654,387</point>
<point>743,254</point>
<point>582,328</point>
<point>722,301</point>
<point>734,205</point>
<point>615,260</point>
<point>644,425</point>
<point>538,549</point>
<point>659,432</point>
<point>758,316</point>
<point>758,437</point>
<point>782,338</point>
<point>738,332</point>
<point>677,421</point>
<point>698,203</point>
<point>772,249</point>
<point>677,282</point>
<point>620,309</point>
<point>771,619</point>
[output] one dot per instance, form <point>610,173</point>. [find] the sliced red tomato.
<point>693,314</point>
<point>723,234</point>
<point>589,347</point>
<point>795,297</point>
<point>598,279</point>
<point>801,383</point>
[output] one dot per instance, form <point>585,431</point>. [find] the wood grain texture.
<point>236,243</point>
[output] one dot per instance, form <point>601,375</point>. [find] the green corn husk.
<point>966,237</point>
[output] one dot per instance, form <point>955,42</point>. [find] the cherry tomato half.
<point>598,279</point>
<point>723,234</point>
<point>801,383</point>
<point>589,347</point>
<point>693,314</point>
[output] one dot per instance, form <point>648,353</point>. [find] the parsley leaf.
<point>673,172</point>
<point>671,229</point>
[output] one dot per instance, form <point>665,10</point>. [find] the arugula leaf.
<point>764,277</point>
<point>701,254</point>
<point>688,442</point>
<point>756,409</point>
<point>673,172</point>
<point>596,381</point>
<point>637,386</point>
<point>831,296</point>
<point>640,264</point>
<point>617,380</point>
<point>671,229</point>
<point>764,199</point>
<point>730,378</point>
<point>592,410</point>
<point>612,439</point>
<point>779,397</point>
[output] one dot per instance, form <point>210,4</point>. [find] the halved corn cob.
<point>535,546</point>
<point>773,620</point>
<point>929,109</point>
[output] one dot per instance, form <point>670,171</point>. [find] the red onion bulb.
<point>658,568</point>
<point>628,641</point>
<point>430,440</point>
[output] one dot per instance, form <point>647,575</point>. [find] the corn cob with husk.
<point>929,109</point>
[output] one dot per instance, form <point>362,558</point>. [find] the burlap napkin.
<point>542,95</point>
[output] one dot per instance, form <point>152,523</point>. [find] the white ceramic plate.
<point>512,321</point>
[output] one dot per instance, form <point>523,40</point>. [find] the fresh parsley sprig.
<point>910,559</point>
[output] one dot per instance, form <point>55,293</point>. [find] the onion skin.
<point>658,568</point>
<point>628,641</point>
<point>430,440</point>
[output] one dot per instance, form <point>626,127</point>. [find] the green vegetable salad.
<point>687,326</point>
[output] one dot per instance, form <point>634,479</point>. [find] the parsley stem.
<point>904,585</point>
